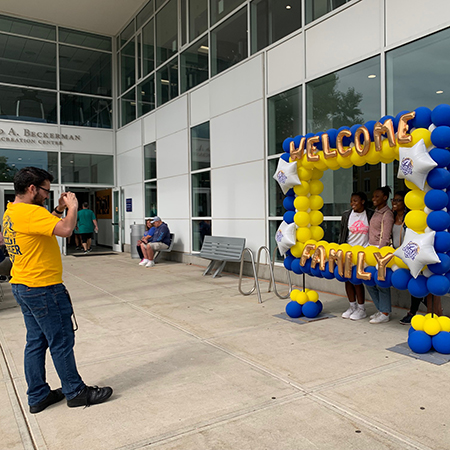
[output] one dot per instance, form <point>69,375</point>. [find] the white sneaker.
<point>375,315</point>
<point>382,318</point>
<point>360,313</point>
<point>350,311</point>
<point>150,264</point>
<point>143,262</point>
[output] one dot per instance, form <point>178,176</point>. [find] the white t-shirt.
<point>358,229</point>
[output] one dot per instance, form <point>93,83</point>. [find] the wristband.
<point>56,210</point>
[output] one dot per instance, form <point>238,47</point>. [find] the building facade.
<point>183,111</point>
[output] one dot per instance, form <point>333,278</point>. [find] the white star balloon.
<point>417,250</point>
<point>286,175</point>
<point>285,236</point>
<point>415,163</point>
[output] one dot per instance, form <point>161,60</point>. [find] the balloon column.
<point>304,303</point>
<point>420,141</point>
<point>429,332</point>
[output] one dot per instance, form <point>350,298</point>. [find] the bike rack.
<point>256,271</point>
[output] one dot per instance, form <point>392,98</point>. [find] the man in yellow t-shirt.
<point>30,232</point>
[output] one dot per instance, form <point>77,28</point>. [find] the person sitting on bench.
<point>159,241</point>
<point>149,230</point>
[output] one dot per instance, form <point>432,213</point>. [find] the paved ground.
<point>195,365</point>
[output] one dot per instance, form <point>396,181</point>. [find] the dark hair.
<point>386,190</point>
<point>361,195</point>
<point>401,193</point>
<point>28,176</point>
<point>85,204</point>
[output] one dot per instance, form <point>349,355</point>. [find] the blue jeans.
<point>381,298</point>
<point>47,312</point>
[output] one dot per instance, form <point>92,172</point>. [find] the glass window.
<point>139,55</point>
<point>150,161</point>
<point>284,118</point>
<point>194,65</point>
<point>86,111</point>
<point>200,229</point>
<point>229,42</point>
<point>159,3</point>
<point>183,22</point>
<point>167,82</point>
<point>146,96</point>
<point>166,32</point>
<point>276,195</point>
<point>220,8</point>
<point>344,98</point>
<point>271,20</point>
<point>148,47</point>
<point>397,184</point>
<point>29,105</point>
<point>84,39</point>
<point>128,67</point>
<point>90,169</point>
<point>11,161</point>
<point>200,147</point>
<point>413,76</point>
<point>198,18</point>
<point>85,71</point>
<point>145,13</point>
<point>317,8</point>
<point>27,61</point>
<point>201,194</point>
<point>151,202</point>
<point>27,28</point>
<point>127,33</point>
<point>128,101</point>
<point>331,230</point>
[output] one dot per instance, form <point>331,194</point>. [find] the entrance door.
<point>117,220</point>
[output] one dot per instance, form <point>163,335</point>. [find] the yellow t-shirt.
<point>32,247</point>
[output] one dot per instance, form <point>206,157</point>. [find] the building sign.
<point>129,204</point>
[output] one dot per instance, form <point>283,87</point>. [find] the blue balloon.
<point>353,278</point>
<point>288,216</point>
<point>441,156</point>
<point>440,137</point>
<point>442,242</point>
<point>410,331</point>
<point>319,144</point>
<point>320,306</point>
<point>400,279</point>
<point>326,273</point>
<point>384,118</point>
<point>436,199</point>
<point>290,193</point>
<point>422,119</point>
<point>346,141</point>
<point>418,286</point>
<point>307,267</point>
<point>441,115</point>
<point>310,310</point>
<point>441,342</point>
<point>294,309</point>
<point>387,282</point>
<point>438,178</point>
<point>287,144</point>
<point>419,342</point>
<point>288,262</point>
<point>332,134</point>
<point>296,267</point>
<point>443,266</point>
<point>288,203</point>
<point>438,220</point>
<point>315,272</point>
<point>397,119</point>
<point>373,271</point>
<point>285,157</point>
<point>438,284</point>
<point>369,125</point>
<point>353,130</point>
<point>297,140</point>
<point>337,276</point>
<point>309,135</point>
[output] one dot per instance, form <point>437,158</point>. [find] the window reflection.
<point>150,161</point>
<point>151,209</point>
<point>194,65</point>
<point>318,8</point>
<point>166,32</point>
<point>200,147</point>
<point>167,82</point>
<point>198,18</point>
<point>220,8</point>
<point>86,111</point>
<point>201,194</point>
<point>128,68</point>
<point>128,105</point>
<point>146,96</point>
<point>89,169</point>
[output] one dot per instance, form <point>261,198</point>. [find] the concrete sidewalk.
<point>195,365</point>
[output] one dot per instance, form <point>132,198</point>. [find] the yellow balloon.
<point>301,218</point>
<point>370,259</point>
<point>313,296</point>
<point>323,243</point>
<point>388,152</point>
<point>417,322</point>
<point>415,199</point>
<point>345,248</point>
<point>332,246</point>
<point>316,217</point>
<point>303,234</point>
<point>357,160</point>
<point>307,164</point>
<point>386,250</point>
<point>373,157</point>
<point>317,174</point>
<point>345,163</point>
<point>302,189</point>
<point>304,174</point>
<point>398,262</point>
<point>387,160</point>
<point>312,242</point>
<point>317,232</point>
<point>301,203</point>
<point>416,220</point>
<point>432,326</point>
<point>355,250</point>
<point>297,249</point>
<point>429,316</point>
<point>421,133</point>
<point>315,187</point>
<point>321,163</point>
<point>294,294</point>
<point>302,298</point>
<point>316,201</point>
<point>444,321</point>
<point>410,185</point>
<point>332,163</point>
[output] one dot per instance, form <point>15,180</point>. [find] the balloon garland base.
<point>431,356</point>
<point>303,320</point>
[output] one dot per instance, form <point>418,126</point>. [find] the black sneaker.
<point>90,395</point>
<point>407,319</point>
<point>89,250</point>
<point>54,397</point>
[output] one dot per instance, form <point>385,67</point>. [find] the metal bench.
<point>222,249</point>
<point>169,249</point>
